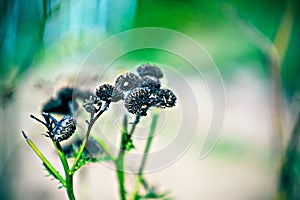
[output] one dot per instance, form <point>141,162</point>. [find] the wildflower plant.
<point>138,92</point>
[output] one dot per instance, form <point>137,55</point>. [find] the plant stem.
<point>104,147</point>
<point>139,178</point>
<point>149,142</point>
<point>70,191</point>
<point>90,125</point>
<point>136,121</point>
<point>288,178</point>
<point>120,175</point>
<point>62,157</point>
<point>80,152</point>
<point>69,176</point>
<point>119,162</point>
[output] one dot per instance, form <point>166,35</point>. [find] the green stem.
<point>69,188</point>
<point>119,162</point>
<point>149,142</point>
<point>69,176</point>
<point>137,119</point>
<point>120,175</point>
<point>104,147</point>
<point>288,178</point>
<point>80,152</point>
<point>139,178</point>
<point>62,157</point>
<point>90,125</point>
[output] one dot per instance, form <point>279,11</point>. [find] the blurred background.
<point>254,44</point>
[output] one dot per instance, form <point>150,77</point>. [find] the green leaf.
<point>49,172</point>
<point>127,143</point>
<point>46,163</point>
<point>81,162</point>
<point>101,158</point>
<point>153,194</point>
<point>60,187</point>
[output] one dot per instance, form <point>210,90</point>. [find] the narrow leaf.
<point>47,164</point>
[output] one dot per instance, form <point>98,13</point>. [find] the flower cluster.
<point>139,91</point>
<point>149,93</point>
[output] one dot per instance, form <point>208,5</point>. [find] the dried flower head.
<point>63,129</point>
<point>137,102</point>
<point>92,105</point>
<point>151,82</point>
<point>128,81</point>
<point>164,98</point>
<point>149,70</point>
<point>107,92</point>
<point>58,130</point>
